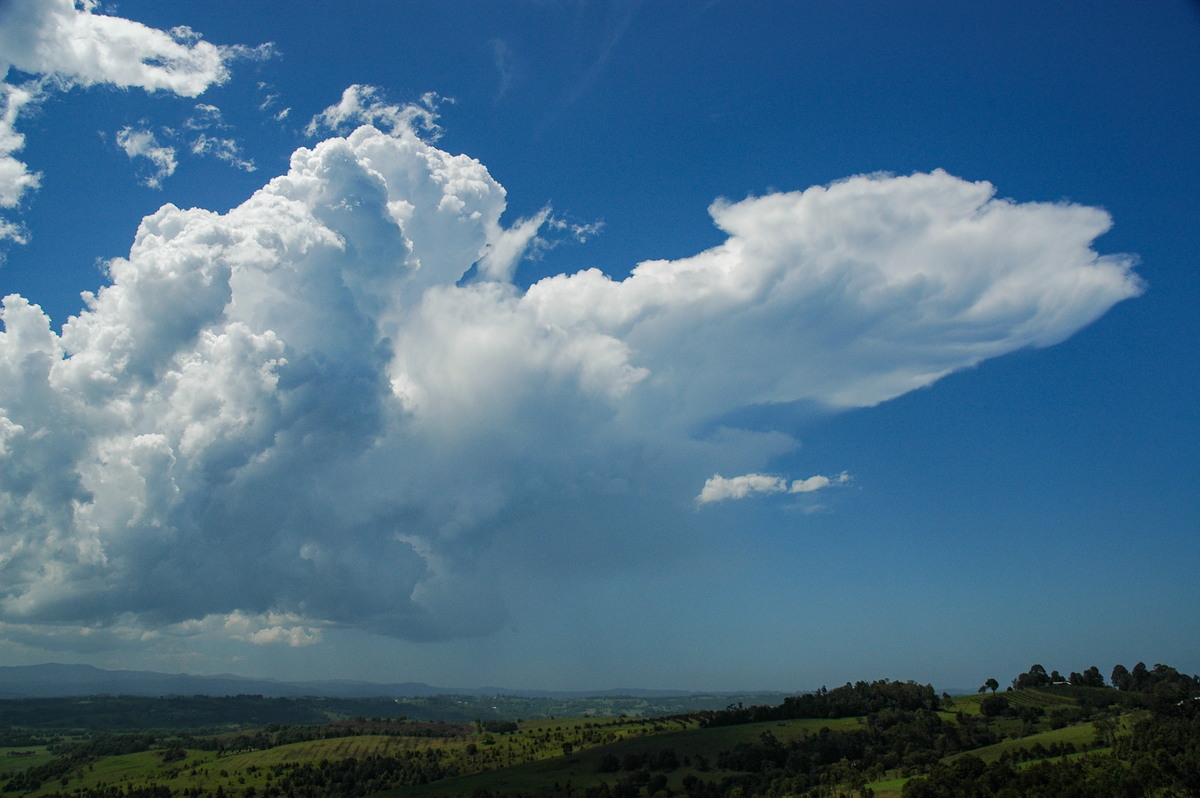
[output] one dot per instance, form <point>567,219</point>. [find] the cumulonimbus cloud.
<point>299,409</point>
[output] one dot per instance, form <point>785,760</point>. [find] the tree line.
<point>847,701</point>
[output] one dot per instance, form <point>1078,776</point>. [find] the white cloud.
<point>67,41</point>
<point>502,57</point>
<point>15,177</point>
<point>507,246</point>
<point>577,231</point>
<point>812,484</point>
<point>143,144</point>
<point>871,287</point>
<point>228,150</point>
<point>263,629</point>
<point>67,44</point>
<point>365,105</point>
<point>718,488</point>
<point>205,116</point>
<point>296,411</point>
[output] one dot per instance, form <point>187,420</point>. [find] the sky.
<point>568,344</point>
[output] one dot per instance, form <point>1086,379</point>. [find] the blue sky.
<point>595,344</point>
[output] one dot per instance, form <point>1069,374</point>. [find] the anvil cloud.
<point>330,403</point>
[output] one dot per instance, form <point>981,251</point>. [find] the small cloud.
<point>580,232</point>
<point>227,150</point>
<point>502,57</point>
<point>270,102</point>
<point>816,483</point>
<point>143,144</point>
<point>205,116</point>
<point>15,177</point>
<point>718,488</point>
<point>260,629</point>
<point>244,52</point>
<point>364,105</point>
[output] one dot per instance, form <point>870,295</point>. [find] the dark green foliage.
<point>353,776</point>
<point>1163,682</point>
<point>850,700</point>
<point>35,777</point>
<point>1120,678</point>
<point>994,705</point>
<point>127,713</point>
<point>1089,678</point>
<point>893,738</point>
<point>1036,676</point>
<point>898,732</point>
<point>106,745</point>
<point>1160,756</point>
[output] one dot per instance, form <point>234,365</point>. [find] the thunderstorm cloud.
<point>301,410</point>
<point>333,407</point>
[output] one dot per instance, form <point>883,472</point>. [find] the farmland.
<point>880,738</point>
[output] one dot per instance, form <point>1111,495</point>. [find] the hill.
<point>884,739</point>
<point>54,680</point>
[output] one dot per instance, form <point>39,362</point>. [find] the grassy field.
<point>582,769</point>
<point>532,758</point>
<point>22,758</point>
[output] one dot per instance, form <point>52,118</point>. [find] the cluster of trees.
<point>126,713</point>
<point>355,777</point>
<point>69,755</point>
<point>848,701</point>
<point>1036,676</point>
<point>659,760</point>
<point>35,777</point>
<point>892,738</point>
<point>1161,756</point>
<point>1163,681</point>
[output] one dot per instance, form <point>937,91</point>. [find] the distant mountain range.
<point>53,680</point>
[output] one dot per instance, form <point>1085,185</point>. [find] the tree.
<point>1106,730</point>
<point>992,685</point>
<point>1036,676</point>
<point>1092,678</point>
<point>1139,677</point>
<point>993,706</point>
<point>1121,678</point>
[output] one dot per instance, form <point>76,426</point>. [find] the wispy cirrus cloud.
<point>504,60</point>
